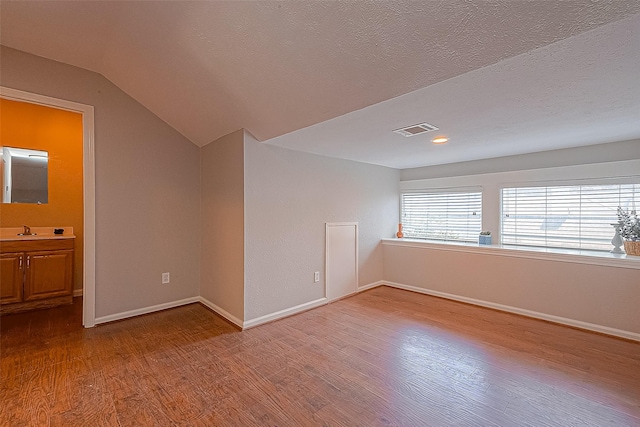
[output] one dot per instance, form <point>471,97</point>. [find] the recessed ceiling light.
<point>440,140</point>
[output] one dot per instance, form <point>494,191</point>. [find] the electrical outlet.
<point>316,277</point>
<point>165,278</point>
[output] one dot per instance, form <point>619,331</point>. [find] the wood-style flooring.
<point>385,357</point>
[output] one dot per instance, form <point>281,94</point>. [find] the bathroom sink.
<point>37,233</point>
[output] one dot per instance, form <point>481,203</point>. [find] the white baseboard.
<point>371,285</point>
<point>284,313</point>
<point>322,301</point>
<point>146,310</point>
<point>77,292</point>
<point>529,313</point>
<point>222,312</point>
<point>302,307</point>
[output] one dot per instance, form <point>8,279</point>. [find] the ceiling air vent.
<point>416,129</point>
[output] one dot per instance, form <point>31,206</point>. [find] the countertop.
<point>39,233</point>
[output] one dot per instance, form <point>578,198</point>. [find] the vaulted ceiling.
<point>335,78</point>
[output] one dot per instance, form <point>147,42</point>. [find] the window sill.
<point>549,254</point>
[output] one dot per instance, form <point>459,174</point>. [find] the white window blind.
<point>578,216</point>
<point>442,215</point>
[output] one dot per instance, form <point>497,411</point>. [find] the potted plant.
<point>629,225</point>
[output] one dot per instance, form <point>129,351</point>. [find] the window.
<point>453,216</point>
<point>578,216</point>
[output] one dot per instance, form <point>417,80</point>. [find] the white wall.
<point>601,153</point>
<point>147,187</point>
<point>289,196</point>
<point>222,264</point>
<point>600,295</point>
<point>148,217</point>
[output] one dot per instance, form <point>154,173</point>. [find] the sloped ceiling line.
<point>209,68</point>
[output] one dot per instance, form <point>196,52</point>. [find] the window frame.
<point>586,182</point>
<point>443,190</point>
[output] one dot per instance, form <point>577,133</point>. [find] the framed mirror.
<point>25,176</point>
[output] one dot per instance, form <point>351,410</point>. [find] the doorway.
<point>88,291</point>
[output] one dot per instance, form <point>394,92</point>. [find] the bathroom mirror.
<point>24,176</point>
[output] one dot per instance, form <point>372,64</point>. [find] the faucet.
<point>27,230</point>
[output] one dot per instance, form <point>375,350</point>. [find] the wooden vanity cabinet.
<point>36,274</point>
<point>48,274</point>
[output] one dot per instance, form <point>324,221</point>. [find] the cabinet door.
<point>49,274</point>
<point>11,272</point>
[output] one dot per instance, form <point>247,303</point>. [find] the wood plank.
<point>383,357</point>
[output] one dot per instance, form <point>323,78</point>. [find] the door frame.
<point>326,260</point>
<point>88,185</point>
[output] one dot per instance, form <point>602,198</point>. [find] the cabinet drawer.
<point>36,245</point>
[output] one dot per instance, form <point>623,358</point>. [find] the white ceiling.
<point>498,77</point>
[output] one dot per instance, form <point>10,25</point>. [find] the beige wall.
<point>599,295</point>
<point>147,187</point>
<point>148,205</point>
<point>222,232</point>
<point>289,196</point>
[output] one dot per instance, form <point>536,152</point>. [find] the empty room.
<point>300,213</point>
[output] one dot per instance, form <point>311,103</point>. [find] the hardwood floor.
<point>383,357</point>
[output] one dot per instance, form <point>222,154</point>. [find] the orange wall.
<point>58,132</point>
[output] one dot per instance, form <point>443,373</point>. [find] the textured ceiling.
<point>209,68</point>
<point>580,91</point>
